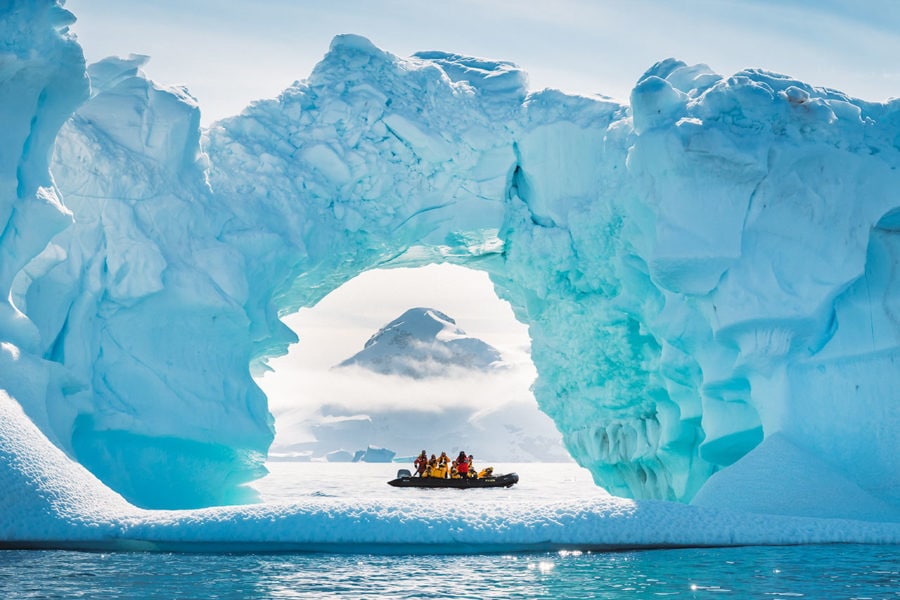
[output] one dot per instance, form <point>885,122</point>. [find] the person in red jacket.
<point>421,462</point>
<point>462,465</point>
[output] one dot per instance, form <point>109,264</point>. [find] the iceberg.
<point>373,454</point>
<point>339,456</point>
<point>708,276</point>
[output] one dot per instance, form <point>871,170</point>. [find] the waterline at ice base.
<point>709,277</point>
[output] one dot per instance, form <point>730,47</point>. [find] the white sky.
<point>230,53</point>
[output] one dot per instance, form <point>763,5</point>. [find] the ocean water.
<point>818,572</point>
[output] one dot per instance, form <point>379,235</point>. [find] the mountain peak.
<point>423,342</point>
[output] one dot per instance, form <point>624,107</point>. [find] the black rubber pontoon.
<point>493,481</point>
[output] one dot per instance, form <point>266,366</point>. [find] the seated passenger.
<point>439,471</point>
<point>486,472</point>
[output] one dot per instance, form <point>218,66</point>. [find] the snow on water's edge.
<point>55,503</point>
<point>497,526</point>
<point>418,528</point>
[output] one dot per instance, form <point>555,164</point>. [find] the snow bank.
<point>59,504</point>
<point>779,478</point>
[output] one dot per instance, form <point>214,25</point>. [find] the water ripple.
<point>832,571</point>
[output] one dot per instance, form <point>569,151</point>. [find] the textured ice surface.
<point>700,271</point>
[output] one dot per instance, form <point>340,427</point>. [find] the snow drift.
<point>706,268</point>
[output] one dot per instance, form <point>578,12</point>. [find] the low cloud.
<point>354,390</point>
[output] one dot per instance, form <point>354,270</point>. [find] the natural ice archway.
<point>682,264</point>
<point>492,413</point>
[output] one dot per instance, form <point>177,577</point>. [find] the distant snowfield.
<point>53,502</point>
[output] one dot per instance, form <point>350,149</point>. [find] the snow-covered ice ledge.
<point>709,275</point>
<point>59,504</point>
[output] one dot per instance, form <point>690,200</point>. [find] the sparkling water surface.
<point>818,572</point>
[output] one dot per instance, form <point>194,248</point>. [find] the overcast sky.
<point>230,53</point>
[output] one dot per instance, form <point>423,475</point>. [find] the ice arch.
<point>686,265</point>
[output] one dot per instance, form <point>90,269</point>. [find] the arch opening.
<point>418,386</point>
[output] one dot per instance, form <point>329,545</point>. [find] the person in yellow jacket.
<point>439,471</point>
<point>485,472</point>
<point>473,472</point>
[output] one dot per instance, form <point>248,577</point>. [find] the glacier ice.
<point>700,271</point>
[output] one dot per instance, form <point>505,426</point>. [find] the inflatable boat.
<point>405,479</point>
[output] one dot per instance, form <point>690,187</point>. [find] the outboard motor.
<point>403,473</point>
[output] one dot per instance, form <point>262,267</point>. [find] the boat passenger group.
<point>441,467</point>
